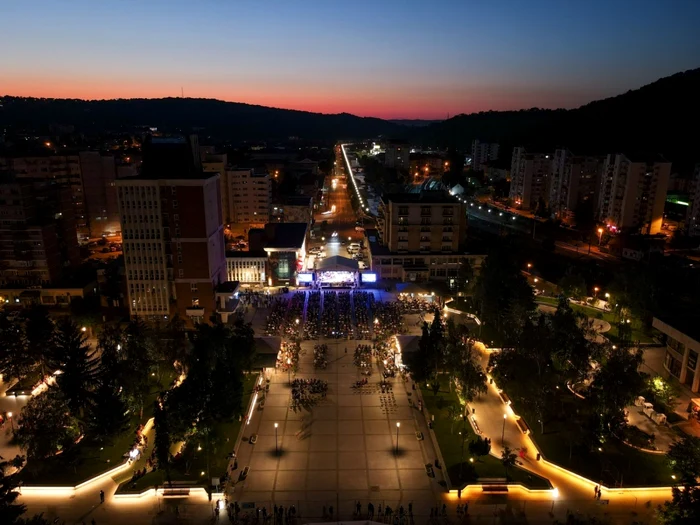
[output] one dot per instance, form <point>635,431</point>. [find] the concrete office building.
<point>420,236</point>
<point>682,349</point>
<point>633,192</point>
<point>483,153</point>
<point>693,217</point>
<point>38,238</point>
<point>397,154</point>
<point>172,233</point>
<point>247,267</point>
<point>574,179</point>
<point>529,174</point>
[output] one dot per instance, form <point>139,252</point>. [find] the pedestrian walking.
<point>102,496</point>
<point>370,510</point>
<point>358,508</point>
<point>444,509</point>
<point>595,492</point>
<point>330,511</point>
<point>410,509</point>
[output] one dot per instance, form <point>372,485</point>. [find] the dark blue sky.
<point>413,59</point>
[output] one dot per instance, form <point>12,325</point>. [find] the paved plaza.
<point>342,450</point>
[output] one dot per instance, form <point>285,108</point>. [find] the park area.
<point>454,435</point>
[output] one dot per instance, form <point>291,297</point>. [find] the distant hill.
<point>416,123</point>
<point>209,117</point>
<point>660,117</point>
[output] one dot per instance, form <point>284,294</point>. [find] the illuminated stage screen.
<point>369,277</point>
<point>305,277</point>
<point>336,277</point>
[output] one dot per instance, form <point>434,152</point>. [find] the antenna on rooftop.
<point>182,92</point>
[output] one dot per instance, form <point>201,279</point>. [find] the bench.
<point>523,426</point>
<point>493,484</point>
<point>419,435</point>
<point>504,398</point>
<point>177,489</point>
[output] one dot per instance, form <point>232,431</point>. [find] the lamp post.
<point>600,236</point>
<point>12,422</point>
<point>289,370</point>
<point>595,291</point>
<point>503,432</point>
<point>276,448</point>
<point>398,425</point>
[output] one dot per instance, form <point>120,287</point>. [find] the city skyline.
<point>384,59</point>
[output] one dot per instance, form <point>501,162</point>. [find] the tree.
<point>40,333</point>
<point>465,275</point>
<point>453,414</point>
<point>573,285</point>
<point>584,217</point>
<point>479,447</point>
<point>162,440</point>
<point>177,344</point>
<point>615,385</point>
<point>109,414</point>
<point>469,373</point>
<point>683,509</point>
<point>684,458</point>
<point>10,510</point>
<point>508,458</point>
<point>79,366</point>
<point>15,361</point>
<point>46,426</point>
<point>138,355</point>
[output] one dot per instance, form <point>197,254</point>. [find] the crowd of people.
<point>389,319</point>
<point>307,392</point>
<point>363,358</point>
<point>313,315</point>
<point>294,315</point>
<point>321,356</point>
<point>345,324</point>
<point>275,317</point>
<point>328,316</point>
<point>361,302</point>
<point>417,304</point>
<point>288,357</point>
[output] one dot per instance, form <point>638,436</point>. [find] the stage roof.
<point>336,263</point>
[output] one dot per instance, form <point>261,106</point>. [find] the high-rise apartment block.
<point>90,177</point>
<point>37,232</point>
<point>574,179</point>
<point>530,174</point>
<point>397,154</point>
<point>172,233</point>
<point>633,192</point>
<point>693,217</point>
<point>247,196</point>
<point>482,153</point>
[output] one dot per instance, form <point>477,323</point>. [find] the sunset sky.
<point>384,58</point>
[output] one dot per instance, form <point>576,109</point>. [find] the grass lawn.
<point>638,333</point>
<point>90,457</point>
<point>615,465</point>
<point>450,442</point>
<point>189,469</point>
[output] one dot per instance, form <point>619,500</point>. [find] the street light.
<point>529,265</point>
<point>503,432</point>
<point>600,236</point>
<point>398,425</point>
<point>276,449</point>
<point>596,290</point>
<point>12,422</point>
<point>289,370</point>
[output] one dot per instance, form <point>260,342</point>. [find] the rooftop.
<point>236,254</point>
<point>424,197</point>
<point>285,234</point>
<point>686,324</point>
<point>171,158</point>
<point>295,200</point>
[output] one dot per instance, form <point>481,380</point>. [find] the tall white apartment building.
<point>482,153</point>
<point>574,179</point>
<point>247,196</point>
<point>172,233</point>
<point>633,192</point>
<point>529,174</point>
<point>693,217</point>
